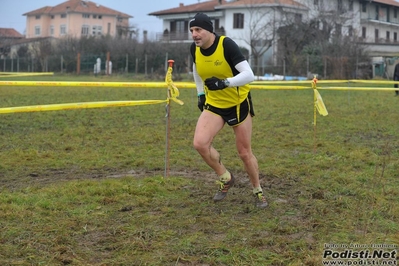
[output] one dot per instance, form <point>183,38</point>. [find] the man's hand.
<point>201,102</point>
<point>214,84</point>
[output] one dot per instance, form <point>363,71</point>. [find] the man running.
<point>222,76</point>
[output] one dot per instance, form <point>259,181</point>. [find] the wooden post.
<point>78,65</point>
<point>145,64</point>
<point>166,62</point>
<point>127,63</point>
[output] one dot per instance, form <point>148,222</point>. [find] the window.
<point>364,7</point>
<point>298,18</point>
<point>377,12</point>
<point>37,16</point>
<point>94,16</point>
<point>51,30</point>
<point>97,30</point>
<point>395,13</point>
<point>109,28</point>
<point>238,22</point>
<point>52,16</point>
<point>37,31</point>
<point>350,31</point>
<point>364,32</point>
<point>181,29</point>
<point>376,35</point>
<point>85,15</point>
<point>180,26</point>
<point>85,30</point>
<point>316,2</point>
<point>216,25</point>
<point>388,36</point>
<point>63,15</point>
<point>395,36</point>
<point>350,5</point>
<point>62,29</point>
<point>338,29</point>
<point>340,6</point>
<point>100,17</point>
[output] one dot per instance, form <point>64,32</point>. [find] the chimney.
<point>181,5</point>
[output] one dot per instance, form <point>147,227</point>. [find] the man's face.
<point>202,38</point>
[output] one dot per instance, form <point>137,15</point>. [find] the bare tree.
<point>325,43</point>
<point>41,50</point>
<point>67,48</point>
<point>128,32</point>
<point>5,45</point>
<point>262,25</point>
<point>265,19</point>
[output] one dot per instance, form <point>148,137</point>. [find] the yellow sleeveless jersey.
<point>216,65</point>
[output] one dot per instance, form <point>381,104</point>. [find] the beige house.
<point>76,18</point>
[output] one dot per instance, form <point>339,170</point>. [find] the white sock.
<point>225,177</point>
<point>257,190</point>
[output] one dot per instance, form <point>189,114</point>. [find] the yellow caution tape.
<point>320,104</point>
<point>173,91</point>
<point>81,105</point>
<point>83,84</point>
<point>318,101</point>
<point>24,74</point>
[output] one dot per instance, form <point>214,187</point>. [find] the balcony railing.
<point>173,36</point>
<point>180,36</point>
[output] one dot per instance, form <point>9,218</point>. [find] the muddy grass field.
<point>87,187</point>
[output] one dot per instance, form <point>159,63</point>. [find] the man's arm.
<point>199,83</point>
<point>242,71</point>
<point>245,75</point>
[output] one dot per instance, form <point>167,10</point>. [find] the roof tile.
<point>78,6</point>
<point>200,7</point>
<point>10,33</point>
<point>215,4</point>
<point>388,2</point>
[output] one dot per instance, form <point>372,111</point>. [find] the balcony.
<point>180,36</point>
<point>173,36</point>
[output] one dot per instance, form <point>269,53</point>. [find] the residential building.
<point>76,18</point>
<point>254,24</point>
<point>7,37</point>
<point>9,33</point>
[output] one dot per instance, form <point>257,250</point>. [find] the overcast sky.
<point>11,11</point>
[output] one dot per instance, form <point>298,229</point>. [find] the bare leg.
<point>208,126</point>
<point>243,134</point>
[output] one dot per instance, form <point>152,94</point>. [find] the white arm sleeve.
<point>198,81</point>
<point>245,76</point>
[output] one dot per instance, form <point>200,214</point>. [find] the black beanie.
<point>203,21</point>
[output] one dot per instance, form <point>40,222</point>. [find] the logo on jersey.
<point>218,63</point>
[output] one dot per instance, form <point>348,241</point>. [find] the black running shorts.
<point>235,115</point>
